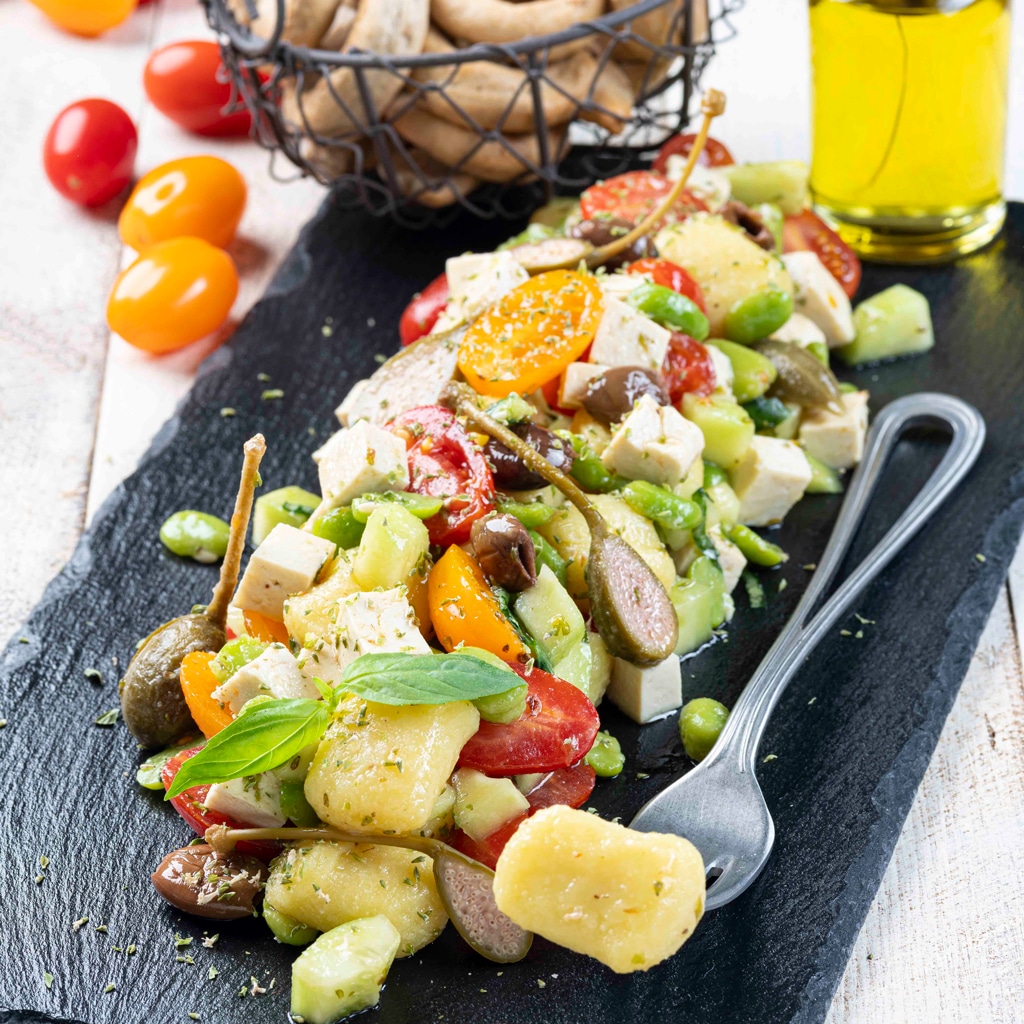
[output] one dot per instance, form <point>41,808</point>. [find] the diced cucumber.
<point>788,429</point>
<point>526,784</point>
<point>896,322</point>
<point>721,505</point>
<point>554,212</point>
<point>550,615</point>
<point>588,666</point>
<point>235,654</point>
<point>753,373</point>
<point>783,182</point>
<point>441,821</point>
<point>727,429</point>
<point>511,409</point>
<point>393,545</point>
<point>287,929</point>
<point>149,773</point>
<point>824,479</point>
<point>290,505</point>
<point>483,804</point>
<point>546,554</point>
<point>343,971</point>
<point>535,231</point>
<point>420,505</point>
<point>295,806</point>
<point>699,603</point>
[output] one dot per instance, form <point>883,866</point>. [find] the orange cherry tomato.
<point>177,292</point>
<point>532,334</point>
<point>201,196</point>
<point>86,17</point>
<point>198,683</point>
<point>262,627</point>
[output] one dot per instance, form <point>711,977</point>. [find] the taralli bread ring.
<point>501,21</point>
<point>381,27</point>
<point>613,92</point>
<point>338,31</point>
<point>658,25</point>
<point>643,77</point>
<point>443,193</point>
<point>305,21</point>
<point>463,149</point>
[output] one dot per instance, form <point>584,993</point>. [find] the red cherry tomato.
<point>807,232</point>
<point>89,151</point>
<point>191,807</point>
<point>556,730</point>
<point>633,195</point>
<point>421,314</point>
<point>444,463</point>
<point>669,275</point>
<point>688,368</point>
<point>188,83</point>
<point>715,153</point>
<point>175,293</point>
<point>86,17</point>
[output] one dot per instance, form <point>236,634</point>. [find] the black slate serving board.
<point>852,736</point>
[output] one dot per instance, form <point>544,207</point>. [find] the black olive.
<point>743,217</point>
<point>605,230</point>
<point>511,474</point>
<point>504,549</point>
<point>612,395</point>
<point>219,886</point>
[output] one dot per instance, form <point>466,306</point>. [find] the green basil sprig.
<point>424,678</point>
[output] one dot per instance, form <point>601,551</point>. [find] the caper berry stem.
<point>224,839</point>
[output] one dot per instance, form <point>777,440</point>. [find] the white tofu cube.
<point>377,622</point>
<point>626,337</point>
<point>361,459</point>
<point>287,562</point>
<point>837,440</point>
<point>576,379</point>
<point>646,693</point>
<point>476,281</point>
<point>654,442</point>
<point>254,800</point>
<point>275,673</point>
<point>730,558</point>
<point>770,480</point>
<point>321,660</point>
<point>799,330</point>
<point>820,297</point>
<point>349,403</point>
<point>619,286</point>
<point>724,373</point>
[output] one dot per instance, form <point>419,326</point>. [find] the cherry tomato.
<point>86,17</point>
<point>633,195</point>
<point>444,463</point>
<point>556,730</point>
<point>188,83</point>
<point>177,292</point>
<point>688,368</point>
<point>263,627</point>
<point>201,196</point>
<point>806,231</point>
<point>669,275</point>
<point>199,818</point>
<point>715,153</point>
<point>89,151</point>
<point>421,314</point>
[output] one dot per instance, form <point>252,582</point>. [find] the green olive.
<point>605,756</point>
<point>802,378</point>
<point>197,535</point>
<point>700,723</point>
<point>286,929</point>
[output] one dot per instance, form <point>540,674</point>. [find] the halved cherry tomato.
<point>556,730</point>
<point>201,196</point>
<point>444,463</point>
<point>669,275</point>
<point>633,195</point>
<point>86,17</point>
<point>175,293</point>
<point>421,314</point>
<point>688,368</point>
<point>199,817</point>
<point>89,151</point>
<point>715,153</point>
<point>806,231</point>
<point>197,684</point>
<point>532,334</point>
<point>263,627</point>
<point>188,83</point>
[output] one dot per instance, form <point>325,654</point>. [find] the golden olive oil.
<point>909,122</point>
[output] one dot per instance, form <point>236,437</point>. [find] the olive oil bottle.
<point>909,123</point>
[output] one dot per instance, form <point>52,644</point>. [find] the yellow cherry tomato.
<point>86,17</point>
<point>201,196</point>
<point>531,335</point>
<point>175,293</point>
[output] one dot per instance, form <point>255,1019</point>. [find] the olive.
<point>605,230</point>
<point>505,552</point>
<point>613,394</point>
<point>802,378</point>
<point>743,217</point>
<point>218,886</point>
<point>510,472</point>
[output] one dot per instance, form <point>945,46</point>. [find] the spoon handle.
<point>746,724</point>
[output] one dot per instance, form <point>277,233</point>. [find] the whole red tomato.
<point>670,275</point>
<point>806,231</point>
<point>688,368</point>
<point>715,153</point>
<point>421,314</point>
<point>89,151</point>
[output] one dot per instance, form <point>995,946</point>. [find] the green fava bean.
<point>295,806</point>
<point>819,350</point>
<point>546,554</point>
<point>234,654</point>
<point>503,708</point>
<point>753,373</point>
<point>758,315</point>
<point>530,514</point>
<point>148,774</point>
<point>197,535</point>
<point>286,929</point>
<point>587,468</point>
<point>671,309</point>
<point>824,479</point>
<point>714,475</point>
<point>420,505</point>
<point>661,505</point>
<point>754,547</point>
<point>700,723</point>
<point>340,526</point>
<point>605,756</point>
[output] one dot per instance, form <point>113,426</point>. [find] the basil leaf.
<point>255,742</point>
<point>424,678</point>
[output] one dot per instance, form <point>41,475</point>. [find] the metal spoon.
<point>719,806</point>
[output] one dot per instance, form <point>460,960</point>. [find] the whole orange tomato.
<point>201,196</point>
<point>88,18</point>
<point>175,293</point>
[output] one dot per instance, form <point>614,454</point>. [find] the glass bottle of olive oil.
<point>909,122</point>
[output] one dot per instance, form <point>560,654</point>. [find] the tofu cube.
<point>377,622</point>
<point>576,379</point>
<point>275,673</point>
<point>646,693</point>
<point>345,411</point>
<point>769,480</point>
<point>361,459</point>
<point>724,373</point>
<point>254,800</point>
<point>654,442</point>
<point>618,286</point>
<point>837,440</point>
<point>799,330</point>
<point>820,297</point>
<point>286,563</point>
<point>626,337</point>
<point>476,281</point>
<point>730,558</point>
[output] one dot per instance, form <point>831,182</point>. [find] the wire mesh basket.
<point>490,127</point>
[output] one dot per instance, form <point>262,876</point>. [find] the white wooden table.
<point>944,941</point>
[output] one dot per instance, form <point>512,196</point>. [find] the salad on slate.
<point>391,719</point>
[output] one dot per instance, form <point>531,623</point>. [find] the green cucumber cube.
<point>896,322</point>
<point>290,505</point>
<point>483,804</point>
<point>550,616</point>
